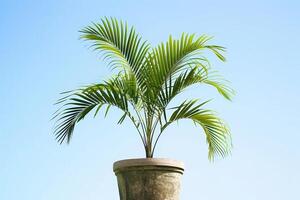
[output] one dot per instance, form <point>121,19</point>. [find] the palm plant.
<point>147,80</point>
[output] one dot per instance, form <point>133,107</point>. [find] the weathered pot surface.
<point>149,178</point>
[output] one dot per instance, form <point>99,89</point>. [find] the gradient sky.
<point>42,56</point>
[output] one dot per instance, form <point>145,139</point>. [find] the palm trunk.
<point>148,152</point>
<point>148,133</point>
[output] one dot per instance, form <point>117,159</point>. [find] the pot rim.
<point>161,162</point>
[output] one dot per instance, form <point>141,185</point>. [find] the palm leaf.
<point>177,57</point>
<point>121,45</point>
<point>190,77</point>
<point>77,105</point>
<point>217,133</point>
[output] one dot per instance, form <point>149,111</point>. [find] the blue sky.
<point>42,56</point>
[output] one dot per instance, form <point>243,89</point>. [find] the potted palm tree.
<point>146,82</point>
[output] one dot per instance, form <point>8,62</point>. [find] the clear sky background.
<point>41,56</point>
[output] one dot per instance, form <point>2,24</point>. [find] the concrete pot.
<point>149,179</point>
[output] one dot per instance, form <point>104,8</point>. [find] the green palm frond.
<point>190,77</point>
<point>181,82</point>
<point>217,133</point>
<point>121,45</point>
<point>220,84</point>
<point>173,56</point>
<point>78,104</point>
<point>176,57</point>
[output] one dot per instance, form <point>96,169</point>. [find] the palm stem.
<point>155,143</point>
<point>153,130</point>
<point>139,132</point>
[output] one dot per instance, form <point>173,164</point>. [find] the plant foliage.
<point>147,80</point>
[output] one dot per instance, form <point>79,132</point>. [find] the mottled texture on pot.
<point>148,179</point>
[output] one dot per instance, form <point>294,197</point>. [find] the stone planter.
<point>149,179</point>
